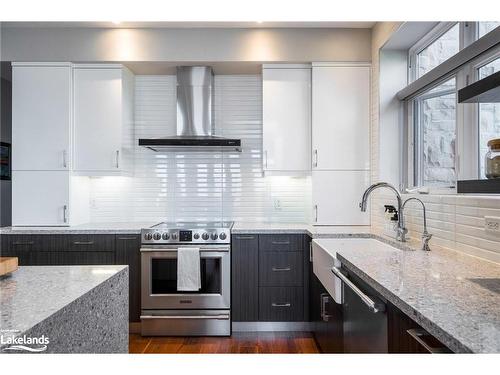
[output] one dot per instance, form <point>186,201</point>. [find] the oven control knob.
<point>196,236</point>
<point>174,236</point>
<point>157,236</point>
<point>222,236</point>
<point>214,236</point>
<point>205,236</point>
<point>148,236</point>
<point>165,236</point>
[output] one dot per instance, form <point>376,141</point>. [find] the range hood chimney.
<point>195,125</point>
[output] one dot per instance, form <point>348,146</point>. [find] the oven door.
<point>159,279</point>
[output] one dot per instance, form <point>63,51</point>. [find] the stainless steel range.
<point>165,311</point>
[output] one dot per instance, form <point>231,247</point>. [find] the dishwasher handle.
<point>374,306</point>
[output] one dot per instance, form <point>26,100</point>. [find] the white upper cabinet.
<point>41,116</point>
<point>286,118</point>
<point>336,196</point>
<point>340,117</point>
<point>103,119</point>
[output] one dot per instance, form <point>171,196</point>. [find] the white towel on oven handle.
<point>188,269</point>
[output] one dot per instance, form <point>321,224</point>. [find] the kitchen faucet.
<point>401,230</point>
<point>426,236</point>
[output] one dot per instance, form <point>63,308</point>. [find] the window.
<point>440,50</point>
<point>434,136</point>
<point>446,141</point>
<point>484,28</point>
<point>488,116</point>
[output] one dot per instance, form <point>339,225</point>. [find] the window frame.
<point>438,31</point>
<point>467,158</point>
<point>472,71</point>
<point>414,164</point>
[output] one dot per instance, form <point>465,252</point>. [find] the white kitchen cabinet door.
<point>41,116</point>
<point>98,119</point>
<point>336,196</point>
<point>340,117</point>
<point>40,198</point>
<point>286,119</point>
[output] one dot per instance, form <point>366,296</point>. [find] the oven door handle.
<point>174,250</point>
<point>215,317</point>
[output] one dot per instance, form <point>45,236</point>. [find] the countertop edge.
<point>124,268</point>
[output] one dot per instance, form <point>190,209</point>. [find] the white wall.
<point>200,185</point>
<point>456,221</point>
<point>94,44</point>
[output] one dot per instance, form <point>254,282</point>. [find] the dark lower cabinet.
<point>128,253</point>
<point>281,304</point>
<point>406,336</point>
<point>326,318</point>
<point>245,278</point>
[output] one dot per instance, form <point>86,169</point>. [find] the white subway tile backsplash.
<point>200,185</point>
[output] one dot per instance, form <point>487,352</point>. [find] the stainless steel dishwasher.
<point>365,319</point>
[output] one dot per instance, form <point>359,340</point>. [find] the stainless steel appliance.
<point>364,316</point>
<point>165,311</point>
<point>195,125</point>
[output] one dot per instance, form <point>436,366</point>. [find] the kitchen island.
<point>64,309</point>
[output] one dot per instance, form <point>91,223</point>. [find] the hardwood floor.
<point>239,342</point>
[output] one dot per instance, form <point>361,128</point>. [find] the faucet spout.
<point>401,231</point>
<point>426,236</point>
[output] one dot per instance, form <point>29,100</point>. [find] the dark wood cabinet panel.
<point>91,242</point>
<point>326,318</point>
<point>281,269</point>
<point>399,340</point>
<point>281,304</point>
<point>245,278</point>
<point>280,242</point>
<point>128,253</point>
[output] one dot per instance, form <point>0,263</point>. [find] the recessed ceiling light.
<point>260,21</point>
<point>116,22</point>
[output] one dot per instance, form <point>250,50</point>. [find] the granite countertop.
<point>455,297</point>
<point>238,228</point>
<point>88,228</point>
<point>33,293</point>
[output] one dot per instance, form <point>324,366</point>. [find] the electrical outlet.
<point>277,205</point>
<point>492,224</point>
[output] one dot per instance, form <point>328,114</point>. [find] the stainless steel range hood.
<point>195,125</point>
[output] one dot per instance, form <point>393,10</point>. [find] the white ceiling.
<point>141,25</point>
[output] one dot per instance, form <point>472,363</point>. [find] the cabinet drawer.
<point>280,242</point>
<point>91,242</point>
<point>281,304</point>
<point>280,269</point>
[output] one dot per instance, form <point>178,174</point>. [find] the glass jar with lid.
<point>492,162</point>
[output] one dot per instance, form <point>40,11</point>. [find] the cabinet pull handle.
<point>65,162</point>
<point>374,306</point>
<point>245,237</point>
<point>23,242</point>
<point>276,304</point>
<point>325,298</point>
<point>117,159</point>
<point>127,238</point>
<point>280,242</point>
<point>418,334</point>
<point>315,213</point>
<point>83,242</point>
<point>283,269</point>
<point>265,159</point>
<point>316,158</point>
<point>65,213</point>
<point>310,251</point>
